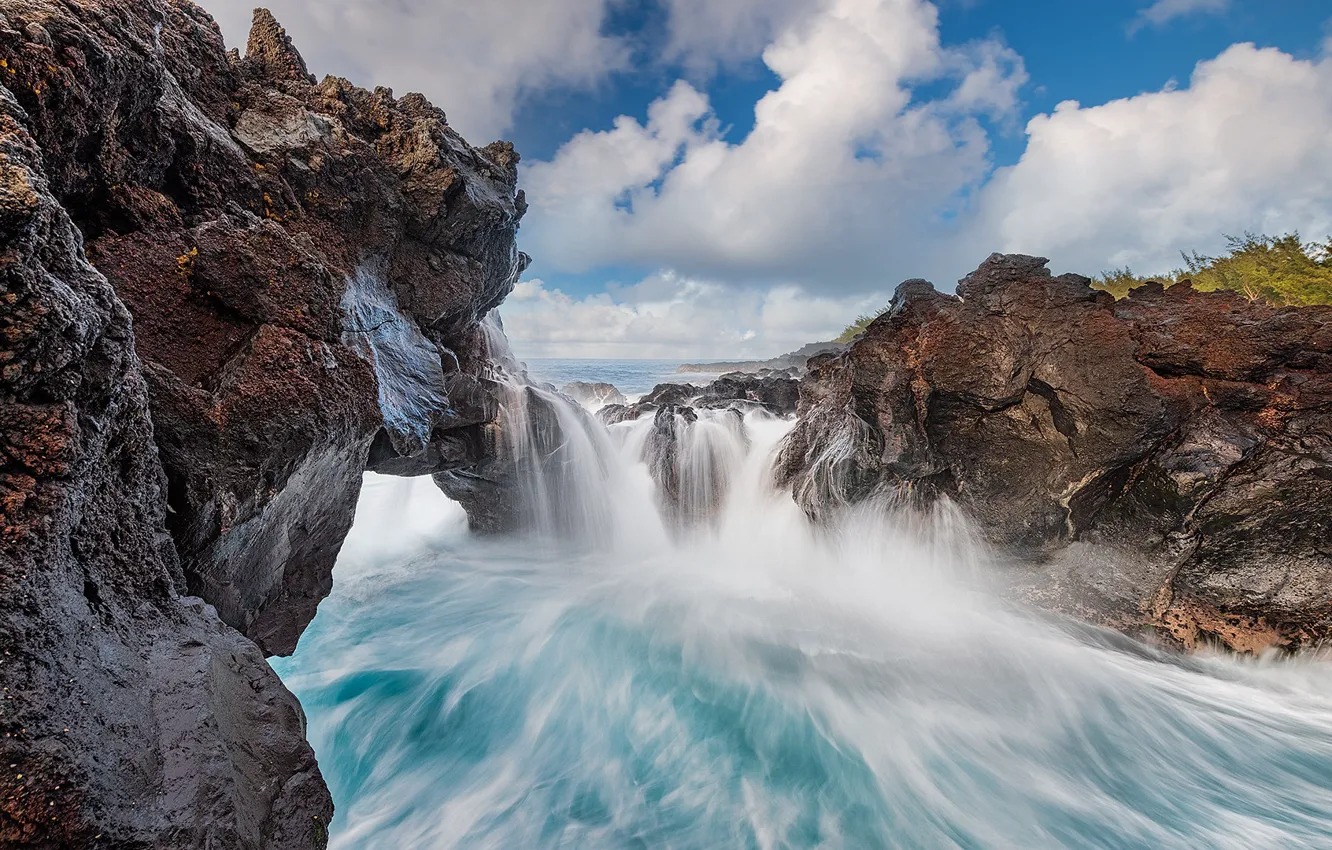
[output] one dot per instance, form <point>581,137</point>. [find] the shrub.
<point>1281,269</point>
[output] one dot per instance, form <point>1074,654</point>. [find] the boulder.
<point>597,394</point>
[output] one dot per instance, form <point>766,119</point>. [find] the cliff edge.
<point>1159,464</point>
<point>225,286</point>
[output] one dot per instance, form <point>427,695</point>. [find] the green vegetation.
<point>858,326</point>
<point>1282,270</point>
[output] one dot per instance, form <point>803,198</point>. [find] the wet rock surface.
<point>1164,461</point>
<point>133,717</point>
<point>230,202</point>
<point>593,393</point>
<point>775,393</point>
<point>192,389</point>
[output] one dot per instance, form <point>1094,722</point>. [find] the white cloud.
<point>862,168</point>
<point>667,315</point>
<point>843,183</point>
<point>705,33</point>
<point>1162,12</point>
<point>473,59</point>
<point>1135,181</point>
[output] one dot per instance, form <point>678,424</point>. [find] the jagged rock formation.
<point>593,393</point>
<point>229,202</point>
<point>776,394</point>
<point>251,221</point>
<point>1166,459</point>
<point>132,716</point>
<point>691,463</point>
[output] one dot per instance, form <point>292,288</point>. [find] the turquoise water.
<point>757,683</point>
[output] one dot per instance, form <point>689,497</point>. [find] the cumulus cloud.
<point>668,315</point>
<point>1163,12</point>
<point>1135,181</point>
<point>846,180</point>
<point>868,162</point>
<point>705,34</point>
<point>473,59</point>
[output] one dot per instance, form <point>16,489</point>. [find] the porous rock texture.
<point>187,401</point>
<point>1158,463</point>
<point>229,201</point>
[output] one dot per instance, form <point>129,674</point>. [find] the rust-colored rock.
<point>229,202</point>
<point>175,487</point>
<point>132,716</point>
<point>1167,458</point>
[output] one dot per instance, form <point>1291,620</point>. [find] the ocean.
<point>754,682</point>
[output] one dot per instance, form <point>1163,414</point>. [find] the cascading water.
<point>722,674</point>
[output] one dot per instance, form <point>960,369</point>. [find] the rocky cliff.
<point>227,289</point>
<point>1163,462</point>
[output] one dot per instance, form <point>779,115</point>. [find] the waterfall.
<point>407,366</point>
<point>569,478</point>
<point>670,654</point>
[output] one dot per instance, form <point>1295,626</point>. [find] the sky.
<point>735,178</point>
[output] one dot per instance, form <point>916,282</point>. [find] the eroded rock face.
<point>133,717</point>
<point>230,202</point>
<point>1167,457</point>
<point>212,445</point>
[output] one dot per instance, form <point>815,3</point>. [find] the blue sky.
<point>900,138</point>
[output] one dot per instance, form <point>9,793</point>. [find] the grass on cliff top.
<point>857,327</point>
<point>1281,269</point>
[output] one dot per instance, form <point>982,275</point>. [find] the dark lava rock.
<point>598,393</point>
<point>778,394</point>
<point>1166,457</point>
<point>215,446</point>
<point>230,202</point>
<point>527,473</point>
<point>692,467</point>
<point>671,394</point>
<point>614,414</point>
<point>132,716</point>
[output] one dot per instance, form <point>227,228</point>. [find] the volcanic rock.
<point>1166,458</point>
<point>230,203</point>
<point>132,716</point>
<point>599,393</point>
<point>252,222</point>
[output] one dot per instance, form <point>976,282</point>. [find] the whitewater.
<point>613,679</point>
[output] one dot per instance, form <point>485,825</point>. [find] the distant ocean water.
<point>631,377</point>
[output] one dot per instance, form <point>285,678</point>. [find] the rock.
<point>671,394</point>
<point>231,209</point>
<point>593,394</point>
<point>661,453</point>
<point>250,221</point>
<point>778,394</point>
<point>530,472</point>
<point>693,460</point>
<point>614,414</point>
<point>1167,457</point>
<point>133,717</point>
